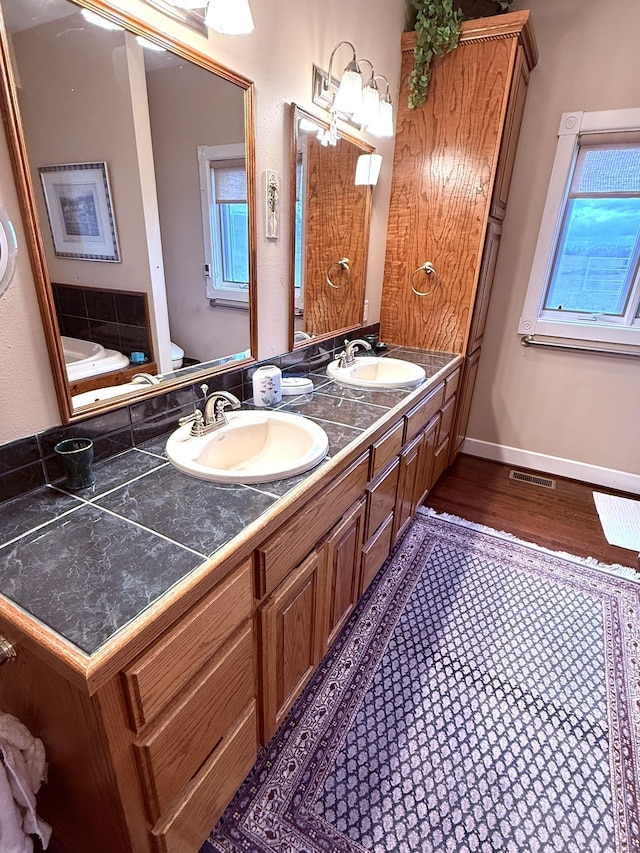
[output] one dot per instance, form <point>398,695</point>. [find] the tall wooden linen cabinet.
<point>451,174</point>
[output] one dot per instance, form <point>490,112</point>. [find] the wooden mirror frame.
<point>31,219</point>
<point>297,113</point>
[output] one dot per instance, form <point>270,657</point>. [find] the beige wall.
<point>188,107</point>
<point>581,408</point>
<point>79,79</point>
<point>289,37</point>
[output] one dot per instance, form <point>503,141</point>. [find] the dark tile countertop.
<point>88,563</point>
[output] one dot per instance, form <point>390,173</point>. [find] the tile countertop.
<point>88,563</point>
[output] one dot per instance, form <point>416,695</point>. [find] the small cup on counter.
<point>76,456</point>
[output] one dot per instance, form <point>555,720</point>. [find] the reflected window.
<point>225,222</point>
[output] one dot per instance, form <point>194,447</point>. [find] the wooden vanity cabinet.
<point>292,627</point>
<point>149,739</point>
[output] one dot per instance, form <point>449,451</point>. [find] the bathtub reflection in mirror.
<point>179,187</point>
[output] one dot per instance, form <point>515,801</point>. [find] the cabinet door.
<point>512,124</point>
<point>485,283</point>
<point>344,552</point>
<point>464,403</point>
<point>425,464</point>
<point>410,460</point>
<point>292,631</point>
<point>439,203</point>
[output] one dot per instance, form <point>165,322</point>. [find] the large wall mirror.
<point>134,160</point>
<point>331,218</point>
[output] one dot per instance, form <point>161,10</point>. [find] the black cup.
<point>76,455</point>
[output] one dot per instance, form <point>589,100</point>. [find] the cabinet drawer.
<point>158,675</point>
<point>421,414</point>
<point>186,828</point>
<point>383,451</point>
<point>381,498</point>
<point>451,384</point>
<point>183,738</point>
<point>376,552</point>
<point>446,421</point>
<point>286,549</point>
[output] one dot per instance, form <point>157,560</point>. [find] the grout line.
<point>44,523</point>
<point>91,501</point>
<point>150,530</point>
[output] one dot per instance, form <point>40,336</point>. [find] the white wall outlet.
<point>365,313</point>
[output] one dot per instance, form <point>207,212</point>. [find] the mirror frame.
<point>32,223</point>
<point>297,113</point>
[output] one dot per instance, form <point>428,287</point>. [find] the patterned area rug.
<point>485,696</point>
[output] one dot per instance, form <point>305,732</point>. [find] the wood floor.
<point>563,519</point>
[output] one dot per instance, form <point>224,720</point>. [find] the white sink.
<point>253,447</point>
<point>370,372</point>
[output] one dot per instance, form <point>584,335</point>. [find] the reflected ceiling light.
<point>307,126</point>
<point>99,21</point>
<point>149,45</point>
<point>368,169</point>
<point>229,17</point>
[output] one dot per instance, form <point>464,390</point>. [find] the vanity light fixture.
<point>383,124</point>
<point>229,17</point>
<point>368,169</point>
<point>369,112</point>
<point>351,99</point>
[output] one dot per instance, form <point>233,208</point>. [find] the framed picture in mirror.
<point>79,210</point>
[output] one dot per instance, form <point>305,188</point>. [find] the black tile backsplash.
<point>30,463</point>
<point>115,320</point>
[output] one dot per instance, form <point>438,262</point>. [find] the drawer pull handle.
<point>8,653</point>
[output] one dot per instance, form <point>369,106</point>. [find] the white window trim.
<point>214,290</point>
<point>572,125</point>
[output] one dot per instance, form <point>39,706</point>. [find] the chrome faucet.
<point>348,356</point>
<point>214,407</point>
<point>145,379</point>
<point>214,416</point>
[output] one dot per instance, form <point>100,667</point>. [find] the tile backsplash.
<point>30,462</point>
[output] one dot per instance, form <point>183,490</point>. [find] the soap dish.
<point>292,385</point>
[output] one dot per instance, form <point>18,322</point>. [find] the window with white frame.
<point>225,223</point>
<point>585,278</point>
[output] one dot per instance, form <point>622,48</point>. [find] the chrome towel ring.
<point>428,269</point>
<point>343,263</point>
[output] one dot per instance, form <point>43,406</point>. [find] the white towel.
<point>22,770</point>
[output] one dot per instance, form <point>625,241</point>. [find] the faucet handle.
<point>196,420</point>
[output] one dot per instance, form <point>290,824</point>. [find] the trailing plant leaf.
<point>437,29</point>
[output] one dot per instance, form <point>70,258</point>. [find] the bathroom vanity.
<point>153,709</point>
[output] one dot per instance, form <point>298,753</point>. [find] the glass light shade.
<point>368,169</point>
<point>349,96</point>
<point>229,17</point>
<point>384,125</point>
<point>370,112</point>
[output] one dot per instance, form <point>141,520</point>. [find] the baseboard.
<point>598,476</point>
